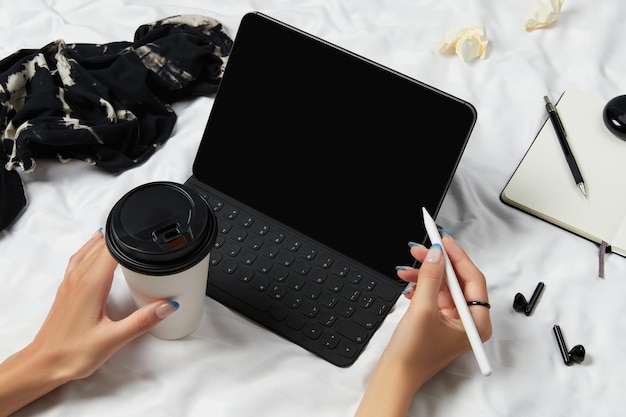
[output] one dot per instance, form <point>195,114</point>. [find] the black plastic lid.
<point>160,228</point>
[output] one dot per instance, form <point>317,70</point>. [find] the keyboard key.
<point>276,237</point>
<point>292,244</point>
<point>308,253</point>
<point>327,318</point>
<point>330,340</point>
<point>262,229</point>
<point>254,243</point>
<point>295,283</point>
<point>224,228</point>
<point>334,284</point>
<point>301,267</point>
<point>386,293</point>
<point>317,275</point>
<point>309,308</point>
<point>312,292</point>
<point>245,293</point>
<point>263,266</point>
<point>326,262</point>
<point>279,312</point>
<point>292,300</point>
<point>328,300</point>
<point>369,321</point>
<point>215,258</point>
<point>312,331</point>
<point>296,322</point>
<point>279,273</point>
<point>245,274</point>
<point>239,235</point>
<point>355,333</point>
<point>247,257</point>
<point>270,252</point>
<point>285,259</point>
<point>229,266</point>
<point>277,292</point>
<point>344,308</point>
<point>246,221</point>
<point>261,282</point>
<point>219,241</point>
<point>231,249</point>
<point>232,214</point>
<point>347,348</point>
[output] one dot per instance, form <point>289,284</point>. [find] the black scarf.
<point>106,104</point>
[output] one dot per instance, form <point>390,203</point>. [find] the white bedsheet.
<point>231,366</point>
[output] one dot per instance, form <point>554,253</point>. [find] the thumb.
<point>146,318</point>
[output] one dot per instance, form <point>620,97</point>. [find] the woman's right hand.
<point>430,335</point>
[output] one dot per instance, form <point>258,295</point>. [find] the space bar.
<point>243,292</point>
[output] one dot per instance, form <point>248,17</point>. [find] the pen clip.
<point>554,114</point>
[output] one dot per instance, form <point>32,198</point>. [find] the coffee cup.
<point>161,233</point>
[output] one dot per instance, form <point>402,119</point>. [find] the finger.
<point>471,279</point>
<point>84,250</point>
<point>473,284</point>
<point>430,277</point>
<point>410,273</point>
<point>407,273</point>
<point>103,266</point>
<point>94,271</point>
<point>418,251</point>
<point>143,320</point>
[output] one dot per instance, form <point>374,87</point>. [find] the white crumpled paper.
<point>468,43</point>
<point>542,14</point>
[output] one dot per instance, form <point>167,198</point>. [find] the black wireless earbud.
<point>576,355</point>
<point>522,306</point>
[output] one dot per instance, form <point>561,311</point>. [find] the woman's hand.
<point>430,335</point>
<point>77,336</point>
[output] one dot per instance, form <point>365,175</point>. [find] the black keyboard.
<point>294,286</point>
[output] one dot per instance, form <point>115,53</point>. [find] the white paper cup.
<point>161,234</point>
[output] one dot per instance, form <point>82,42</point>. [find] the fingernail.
<point>400,267</point>
<point>409,288</point>
<point>414,244</point>
<point>446,234</point>
<point>434,253</point>
<point>166,309</point>
<point>97,232</point>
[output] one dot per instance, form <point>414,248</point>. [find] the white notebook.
<point>542,184</point>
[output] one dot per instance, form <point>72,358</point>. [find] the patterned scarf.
<point>106,104</point>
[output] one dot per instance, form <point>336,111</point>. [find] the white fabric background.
<point>232,367</point>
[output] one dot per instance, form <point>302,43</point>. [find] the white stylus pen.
<point>459,298</point>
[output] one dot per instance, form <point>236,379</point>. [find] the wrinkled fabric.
<point>231,366</point>
<point>12,198</point>
<point>106,104</point>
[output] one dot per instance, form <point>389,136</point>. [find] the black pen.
<point>569,157</point>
